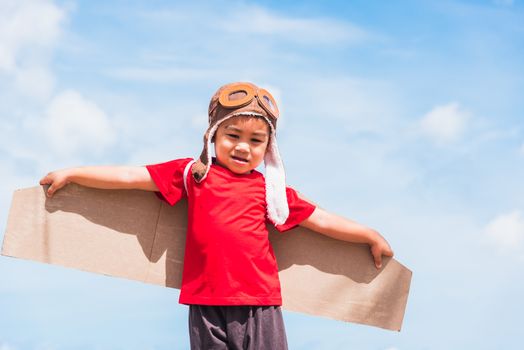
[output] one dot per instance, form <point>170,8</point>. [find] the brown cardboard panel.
<point>134,235</point>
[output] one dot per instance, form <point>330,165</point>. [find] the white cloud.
<point>361,104</point>
<point>161,74</point>
<point>45,346</point>
<point>250,21</point>
<point>28,31</point>
<point>200,122</point>
<point>255,20</point>
<point>506,231</point>
<point>444,124</point>
<point>74,124</point>
<point>5,346</point>
<point>37,82</point>
<point>273,34</point>
<point>26,23</point>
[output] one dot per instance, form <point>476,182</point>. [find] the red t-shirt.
<point>228,257</point>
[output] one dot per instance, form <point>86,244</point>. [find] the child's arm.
<point>341,228</point>
<point>105,177</point>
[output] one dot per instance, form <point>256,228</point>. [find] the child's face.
<point>241,142</point>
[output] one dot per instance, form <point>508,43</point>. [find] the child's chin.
<point>238,171</point>
<point>237,167</point>
<point>240,168</point>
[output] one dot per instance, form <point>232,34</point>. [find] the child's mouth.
<point>238,159</point>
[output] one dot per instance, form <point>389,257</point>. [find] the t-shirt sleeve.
<point>169,178</point>
<point>299,210</point>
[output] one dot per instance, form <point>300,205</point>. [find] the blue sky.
<point>406,116</point>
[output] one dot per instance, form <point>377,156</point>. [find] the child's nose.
<point>242,146</point>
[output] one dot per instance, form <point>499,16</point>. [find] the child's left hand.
<point>344,229</point>
<point>380,247</point>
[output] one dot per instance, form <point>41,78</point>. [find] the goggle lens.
<point>268,102</point>
<point>236,95</point>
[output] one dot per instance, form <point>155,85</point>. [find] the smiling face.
<point>241,143</point>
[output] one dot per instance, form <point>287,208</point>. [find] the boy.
<point>230,277</point>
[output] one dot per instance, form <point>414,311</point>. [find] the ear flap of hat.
<point>201,167</point>
<point>276,199</point>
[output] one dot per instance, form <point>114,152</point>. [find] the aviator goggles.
<point>264,98</point>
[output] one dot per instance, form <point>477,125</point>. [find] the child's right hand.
<point>56,179</point>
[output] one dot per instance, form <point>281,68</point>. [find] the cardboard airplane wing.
<point>134,235</point>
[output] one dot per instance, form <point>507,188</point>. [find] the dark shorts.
<point>236,327</point>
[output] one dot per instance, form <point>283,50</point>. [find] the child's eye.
<point>233,136</point>
<point>256,140</point>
